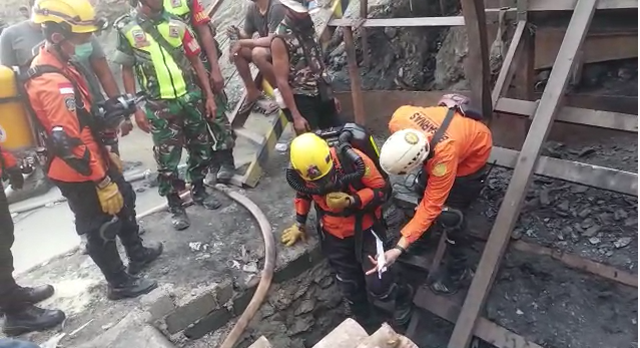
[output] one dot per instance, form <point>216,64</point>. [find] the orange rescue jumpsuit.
<point>334,222</point>
<point>59,109</point>
<point>346,242</point>
<point>463,150</point>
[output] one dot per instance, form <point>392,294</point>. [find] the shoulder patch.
<point>439,169</point>
<point>70,103</point>
<point>367,171</point>
<point>174,31</point>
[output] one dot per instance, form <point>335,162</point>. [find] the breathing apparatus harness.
<point>352,165</point>
<point>104,116</point>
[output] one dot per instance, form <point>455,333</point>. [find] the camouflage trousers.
<point>222,135</point>
<point>176,124</point>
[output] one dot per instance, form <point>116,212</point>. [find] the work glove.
<point>339,200</point>
<point>110,197</point>
<point>116,161</point>
<point>15,177</point>
<point>292,234</point>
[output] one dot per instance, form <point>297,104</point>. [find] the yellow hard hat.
<point>311,156</point>
<point>78,15</point>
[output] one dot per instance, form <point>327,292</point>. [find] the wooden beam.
<point>354,76</point>
<point>577,172</point>
<point>448,21</point>
<point>364,13</point>
<point>580,263</point>
<point>523,172</point>
<point>477,69</point>
<point>483,328</point>
<point>478,230</point>
<point>587,117</point>
<point>509,67</point>
<point>598,46</point>
<point>569,5</point>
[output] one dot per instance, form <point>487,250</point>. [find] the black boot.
<point>211,178</point>
<point>140,256</point>
<point>455,273</point>
<point>179,218</point>
<point>227,166</point>
<point>129,287</point>
<point>31,318</point>
<point>31,295</point>
<point>363,314</point>
<point>202,197</point>
<point>403,305</point>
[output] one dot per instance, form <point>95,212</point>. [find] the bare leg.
<point>242,61</point>
<point>261,57</point>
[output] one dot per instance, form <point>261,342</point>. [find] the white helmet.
<point>404,151</point>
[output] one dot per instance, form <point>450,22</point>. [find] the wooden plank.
<point>523,172</point>
<point>354,75</point>
<point>448,21</point>
<point>477,69</point>
<point>577,262</point>
<point>483,328</point>
<point>509,67</point>
<point>364,9</point>
<point>568,114</point>
<point>577,172</point>
<point>569,5</point>
<point>598,47</point>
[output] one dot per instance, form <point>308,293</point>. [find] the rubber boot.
<point>129,286</point>
<point>203,198</point>
<point>31,318</point>
<point>227,166</point>
<point>403,305</point>
<point>179,218</point>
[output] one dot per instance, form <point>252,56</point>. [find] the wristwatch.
<point>402,250</point>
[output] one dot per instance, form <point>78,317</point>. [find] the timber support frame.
<point>518,64</point>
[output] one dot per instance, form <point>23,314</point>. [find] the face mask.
<point>83,51</point>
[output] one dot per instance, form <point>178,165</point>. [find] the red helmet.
<point>453,100</point>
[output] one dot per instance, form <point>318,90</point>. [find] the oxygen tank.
<point>15,128</point>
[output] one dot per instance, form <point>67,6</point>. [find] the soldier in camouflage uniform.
<point>192,13</point>
<point>165,54</point>
<point>301,74</point>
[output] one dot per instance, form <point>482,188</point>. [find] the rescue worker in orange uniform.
<point>87,174</point>
<point>450,145</point>
<point>17,302</point>
<point>347,191</point>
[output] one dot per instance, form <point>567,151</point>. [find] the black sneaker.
<point>130,288</point>
<point>31,318</point>
<point>144,257</point>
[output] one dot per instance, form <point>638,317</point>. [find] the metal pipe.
<point>267,271</point>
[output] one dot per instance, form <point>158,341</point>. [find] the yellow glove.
<point>292,234</point>
<point>339,200</point>
<point>110,197</point>
<point>116,161</point>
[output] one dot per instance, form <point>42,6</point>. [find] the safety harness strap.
<point>441,131</point>
<point>84,117</point>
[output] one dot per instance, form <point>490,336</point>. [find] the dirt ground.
<point>220,246</point>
